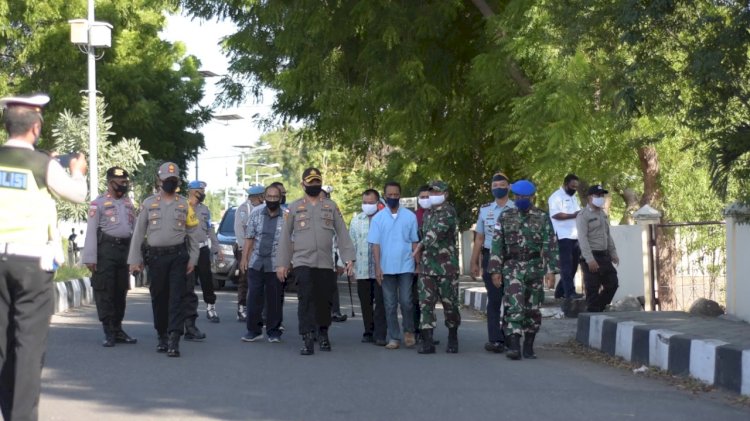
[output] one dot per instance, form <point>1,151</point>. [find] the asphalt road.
<point>224,378</point>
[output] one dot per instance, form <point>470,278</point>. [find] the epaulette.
<point>486,205</point>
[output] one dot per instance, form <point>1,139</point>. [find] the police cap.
<point>596,189</point>
<point>196,185</point>
<point>312,174</point>
<point>117,172</point>
<point>35,102</point>
<point>169,169</point>
<point>255,190</point>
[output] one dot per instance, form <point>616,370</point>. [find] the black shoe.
<point>528,346</point>
<point>192,333</point>
<point>123,338</point>
<point>173,345</point>
<point>367,339</point>
<point>109,336</point>
<point>426,347</point>
<point>496,347</point>
<point>338,317</point>
<point>323,342</point>
<point>452,347</point>
<point>514,347</point>
<point>380,342</point>
<point>309,344</point>
<point>162,346</point>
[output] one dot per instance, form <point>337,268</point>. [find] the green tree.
<point>153,88</point>
<point>70,133</point>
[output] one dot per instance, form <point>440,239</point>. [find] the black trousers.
<point>168,275</point>
<point>373,309</point>
<point>241,280</point>
<point>203,273</point>
<point>26,305</point>
<point>314,289</point>
<point>264,291</point>
<point>600,286</point>
<point>111,282</point>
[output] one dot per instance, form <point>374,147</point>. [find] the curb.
<point>712,361</point>
<point>75,293</point>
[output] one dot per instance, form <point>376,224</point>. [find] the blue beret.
<point>523,187</point>
<point>256,189</point>
<point>195,185</point>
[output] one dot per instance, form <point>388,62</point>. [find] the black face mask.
<point>313,191</point>
<point>120,189</point>
<point>200,196</point>
<point>570,191</point>
<point>273,206</point>
<point>169,186</point>
<point>283,200</point>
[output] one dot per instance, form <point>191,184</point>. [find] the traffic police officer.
<point>524,248</point>
<point>29,250</point>
<point>307,242</point>
<point>241,215</point>
<point>171,253</point>
<point>598,251</point>
<point>485,226</point>
<point>110,226</point>
<point>204,232</point>
<point>437,254</point>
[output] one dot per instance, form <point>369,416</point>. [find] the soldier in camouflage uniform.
<point>438,269</point>
<point>524,248</point>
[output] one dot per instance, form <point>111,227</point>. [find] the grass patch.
<point>66,273</point>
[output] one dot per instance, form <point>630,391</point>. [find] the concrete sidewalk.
<point>713,350</point>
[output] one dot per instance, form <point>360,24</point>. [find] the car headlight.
<point>226,249</point>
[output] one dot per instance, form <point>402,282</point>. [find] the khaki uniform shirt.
<point>307,236</point>
<point>241,216</point>
<point>593,233</point>
<point>205,231</point>
<point>114,217</point>
<point>163,223</point>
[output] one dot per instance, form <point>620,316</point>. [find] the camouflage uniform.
<point>438,274</point>
<point>524,249</point>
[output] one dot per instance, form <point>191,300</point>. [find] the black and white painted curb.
<point>75,293</point>
<point>712,361</point>
<point>476,298</point>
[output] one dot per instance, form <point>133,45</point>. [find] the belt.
<point>162,251</point>
<point>115,240</point>
<point>203,244</point>
<point>600,253</point>
<point>17,249</point>
<point>523,256</point>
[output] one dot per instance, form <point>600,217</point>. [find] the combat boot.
<point>309,344</point>
<point>173,344</point>
<point>452,347</point>
<point>192,333</point>
<point>211,313</point>
<point>163,344</point>
<point>528,346</point>
<point>123,338</point>
<point>109,336</point>
<point>241,313</point>
<point>514,347</point>
<point>323,342</point>
<point>426,347</point>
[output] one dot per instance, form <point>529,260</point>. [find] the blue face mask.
<point>392,202</point>
<point>523,204</point>
<point>499,193</point>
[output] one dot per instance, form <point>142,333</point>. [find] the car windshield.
<point>227,224</point>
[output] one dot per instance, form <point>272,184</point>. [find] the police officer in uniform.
<point>307,242</point>
<point>204,232</point>
<point>171,253</point>
<point>29,251</point>
<point>485,226</point>
<point>241,215</point>
<point>524,251</point>
<point>110,226</point>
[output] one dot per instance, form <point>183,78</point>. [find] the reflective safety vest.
<point>27,210</point>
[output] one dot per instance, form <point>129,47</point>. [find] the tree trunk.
<point>650,168</point>
<point>630,197</point>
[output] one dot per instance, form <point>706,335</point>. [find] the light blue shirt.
<point>395,237</point>
<point>489,215</point>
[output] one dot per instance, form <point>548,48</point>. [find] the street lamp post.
<point>91,34</point>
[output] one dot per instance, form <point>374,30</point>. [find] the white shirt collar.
<point>19,144</point>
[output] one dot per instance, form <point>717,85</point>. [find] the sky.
<point>217,163</point>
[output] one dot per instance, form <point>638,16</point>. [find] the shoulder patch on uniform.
<point>92,210</point>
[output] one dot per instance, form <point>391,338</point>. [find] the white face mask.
<point>369,208</point>
<point>598,202</point>
<point>437,200</point>
<point>425,203</point>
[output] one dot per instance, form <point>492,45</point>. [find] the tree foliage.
<point>147,97</point>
